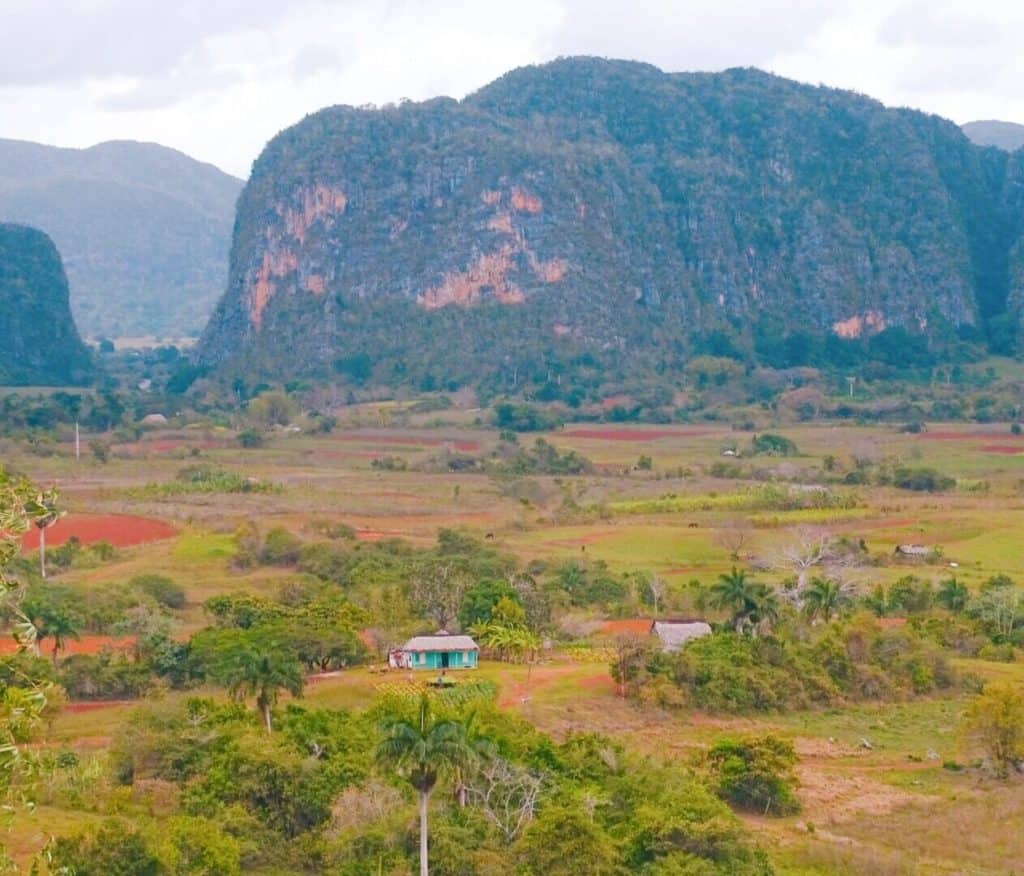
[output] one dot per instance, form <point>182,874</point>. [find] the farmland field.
<point>878,791</point>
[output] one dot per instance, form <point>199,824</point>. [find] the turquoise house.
<point>440,651</point>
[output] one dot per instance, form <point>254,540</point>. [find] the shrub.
<point>163,590</point>
<point>768,444</point>
<point>994,725</point>
<point>280,548</point>
<point>250,438</point>
<point>922,480</point>
<point>755,774</point>
<point>104,676</point>
<point>115,849</point>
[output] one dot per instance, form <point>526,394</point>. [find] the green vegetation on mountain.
<point>39,343</point>
<point>591,217</point>
<point>144,230</point>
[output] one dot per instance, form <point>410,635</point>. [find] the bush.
<point>250,438</point>
<point>162,590</point>
<point>922,480</point>
<point>104,676</point>
<point>755,774</point>
<point>994,726</point>
<point>116,849</point>
<point>768,444</point>
<point>280,548</point>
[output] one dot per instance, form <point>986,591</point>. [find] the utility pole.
<point>78,444</point>
<point>851,381</point>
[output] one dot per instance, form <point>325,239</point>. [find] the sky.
<point>217,78</point>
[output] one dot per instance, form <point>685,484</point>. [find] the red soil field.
<point>121,530</point>
<point>1007,449</point>
<point>630,434</point>
<point>85,645</point>
<point>632,626</point>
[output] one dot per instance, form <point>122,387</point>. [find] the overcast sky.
<point>217,78</point>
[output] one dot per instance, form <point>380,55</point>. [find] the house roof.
<point>441,642</point>
<point>675,634</point>
<point>913,549</point>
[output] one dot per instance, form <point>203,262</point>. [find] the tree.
<point>438,589</point>
<point>824,598</point>
<point>48,514</point>
<point>751,604</point>
<point>994,724</point>
<point>421,750</point>
<point>755,773</point>
<point>808,549</point>
<point>58,623</point>
<point>252,668</point>
<point>733,536</point>
<point>507,794</point>
<point>952,595</point>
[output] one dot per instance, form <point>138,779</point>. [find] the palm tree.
<point>46,514</point>
<point>953,595</point>
<point>61,626</point>
<point>421,750</point>
<point>824,597</point>
<point>751,604</point>
<point>263,672</point>
<point>480,748</point>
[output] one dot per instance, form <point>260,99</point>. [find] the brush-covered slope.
<point>144,230</point>
<point>39,343</point>
<point>604,213</point>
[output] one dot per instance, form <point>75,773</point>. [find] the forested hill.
<point>606,215</point>
<point>38,340</point>
<point>1004,135</point>
<point>144,230</point>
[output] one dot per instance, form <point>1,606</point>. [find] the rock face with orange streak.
<point>488,275</point>
<point>608,209</point>
<point>858,325</point>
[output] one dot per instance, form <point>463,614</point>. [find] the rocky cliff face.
<point>144,230</point>
<point>39,343</point>
<point>593,207</point>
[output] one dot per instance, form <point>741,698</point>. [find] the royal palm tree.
<point>45,514</point>
<point>752,605</point>
<point>421,750</point>
<point>263,672</point>
<point>824,598</point>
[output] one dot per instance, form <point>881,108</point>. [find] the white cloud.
<point>217,78</point>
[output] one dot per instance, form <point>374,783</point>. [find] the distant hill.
<point>604,218</point>
<point>1005,135</point>
<point>144,230</point>
<point>39,343</point>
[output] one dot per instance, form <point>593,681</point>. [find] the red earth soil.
<point>632,626</point>
<point>85,645</point>
<point>965,436</point>
<point>121,530</point>
<point>1008,449</point>
<point>169,445</point>
<point>368,438</point>
<point>629,434</point>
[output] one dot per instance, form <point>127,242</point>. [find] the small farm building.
<point>673,634</point>
<point>913,550</point>
<point>440,651</point>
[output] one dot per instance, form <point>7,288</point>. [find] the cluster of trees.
<point>815,642</point>
<point>334,791</point>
